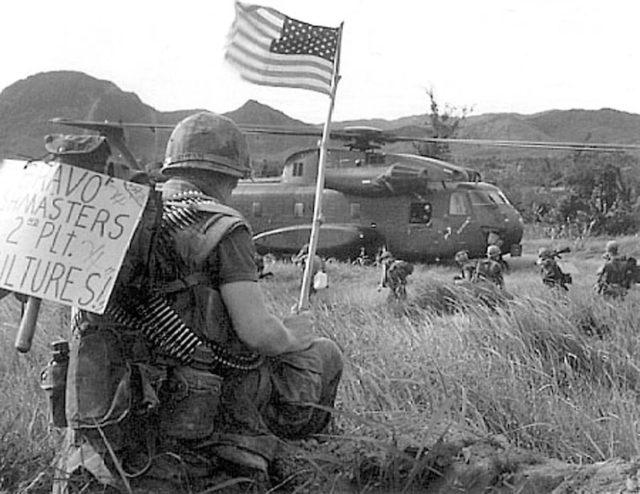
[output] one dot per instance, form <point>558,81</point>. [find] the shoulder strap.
<point>220,225</point>
<point>216,208</point>
<point>196,246</point>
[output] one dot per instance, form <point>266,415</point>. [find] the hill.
<point>27,105</point>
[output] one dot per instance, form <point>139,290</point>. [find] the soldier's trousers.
<point>288,396</point>
<point>277,400</point>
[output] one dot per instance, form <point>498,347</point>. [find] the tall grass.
<point>27,445</point>
<point>551,372</point>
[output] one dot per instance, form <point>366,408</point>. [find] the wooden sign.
<point>64,231</point>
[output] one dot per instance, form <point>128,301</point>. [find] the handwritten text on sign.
<point>64,231</point>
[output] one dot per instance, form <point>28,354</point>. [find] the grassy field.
<point>555,374</point>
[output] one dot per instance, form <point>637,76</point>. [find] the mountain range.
<point>28,104</point>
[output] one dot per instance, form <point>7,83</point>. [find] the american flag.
<point>272,49</point>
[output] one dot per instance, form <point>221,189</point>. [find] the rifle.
<point>557,253</point>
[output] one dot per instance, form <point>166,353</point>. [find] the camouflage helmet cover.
<point>545,252</point>
<point>78,149</point>
<point>493,251</point>
<point>208,141</point>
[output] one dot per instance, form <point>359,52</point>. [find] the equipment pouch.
<point>190,405</point>
<point>53,382</point>
<point>98,381</point>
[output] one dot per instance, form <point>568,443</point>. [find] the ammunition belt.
<point>158,321</point>
<point>175,216</point>
<point>164,327</point>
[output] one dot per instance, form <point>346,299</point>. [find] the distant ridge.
<point>27,105</point>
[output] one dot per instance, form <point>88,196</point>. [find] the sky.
<point>522,56</point>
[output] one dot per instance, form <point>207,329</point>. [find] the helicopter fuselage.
<point>395,203</point>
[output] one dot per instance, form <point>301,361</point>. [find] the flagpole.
<point>303,302</point>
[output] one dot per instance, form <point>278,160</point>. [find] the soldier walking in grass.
<point>550,271</point>
<point>394,275</point>
<point>617,275</point>
<point>319,277</point>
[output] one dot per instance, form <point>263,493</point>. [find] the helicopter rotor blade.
<point>557,145</point>
<point>107,126</point>
<point>280,131</point>
<point>371,137</point>
<point>114,132</point>
<point>362,137</point>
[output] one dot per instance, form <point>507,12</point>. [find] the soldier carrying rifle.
<point>550,271</point>
<point>490,268</point>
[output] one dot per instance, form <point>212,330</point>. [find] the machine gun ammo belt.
<point>164,327</point>
<point>159,322</point>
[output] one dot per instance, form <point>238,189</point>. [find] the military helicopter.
<point>419,208</point>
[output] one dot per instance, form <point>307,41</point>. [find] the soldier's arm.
<point>260,330</point>
<point>256,327</point>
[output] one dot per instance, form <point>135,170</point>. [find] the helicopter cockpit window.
<point>458,204</point>
<point>298,169</point>
<point>298,209</point>
<point>420,212</point>
<point>489,197</point>
<point>256,209</point>
<point>498,197</point>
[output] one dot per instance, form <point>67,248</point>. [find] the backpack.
<point>632,272</point>
<point>616,272</point>
<point>135,276</point>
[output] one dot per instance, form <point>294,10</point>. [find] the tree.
<point>600,193</point>
<point>444,124</point>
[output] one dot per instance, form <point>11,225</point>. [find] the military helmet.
<point>87,151</point>
<point>612,247</point>
<point>208,141</point>
<point>493,251</point>
<point>545,252</point>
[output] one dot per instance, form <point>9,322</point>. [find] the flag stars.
<point>300,38</point>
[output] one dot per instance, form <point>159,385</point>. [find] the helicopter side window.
<point>354,210</point>
<point>375,158</point>
<point>420,212</point>
<point>298,209</point>
<point>298,169</point>
<point>256,209</point>
<point>458,204</point>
